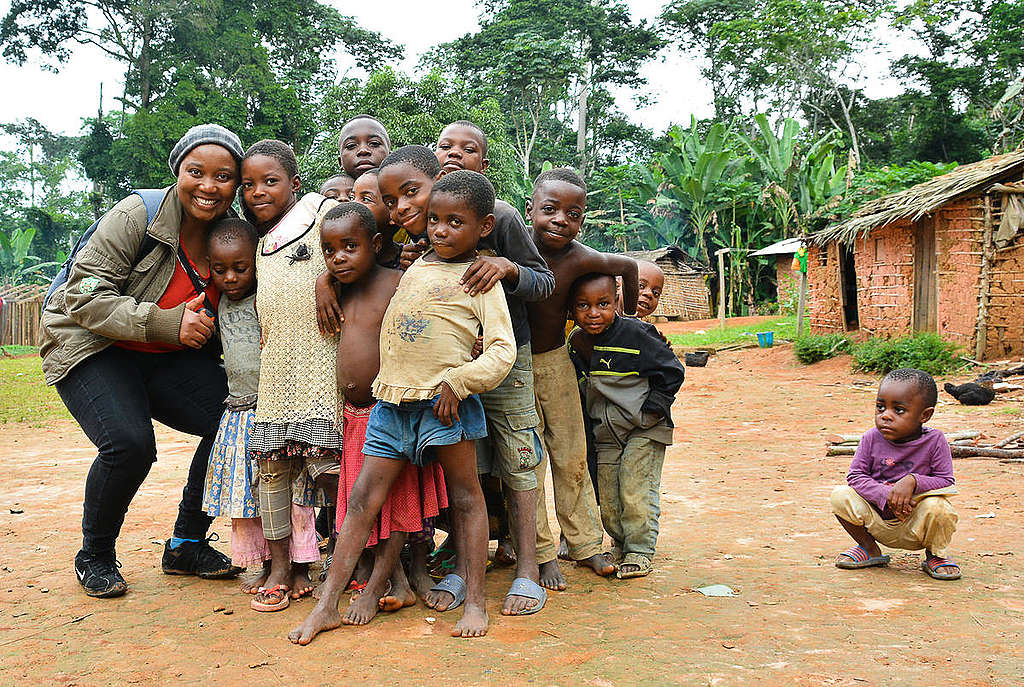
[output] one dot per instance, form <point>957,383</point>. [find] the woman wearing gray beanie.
<point>126,343</point>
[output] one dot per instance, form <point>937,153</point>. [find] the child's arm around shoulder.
<point>499,348</point>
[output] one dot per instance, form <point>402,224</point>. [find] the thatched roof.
<point>917,201</point>
<point>671,257</point>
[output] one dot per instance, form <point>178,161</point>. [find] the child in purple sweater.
<point>899,480</point>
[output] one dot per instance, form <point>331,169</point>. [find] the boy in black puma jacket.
<point>631,379</point>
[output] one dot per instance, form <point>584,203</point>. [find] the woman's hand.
<point>329,315</point>
<point>196,325</point>
<point>447,406</point>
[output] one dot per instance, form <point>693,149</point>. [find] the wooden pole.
<point>981,326</point>
<point>801,304</point>
<point>721,286</point>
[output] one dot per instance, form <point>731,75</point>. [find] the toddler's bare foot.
<point>363,608</point>
<point>505,555</point>
<point>320,619</point>
<point>301,584</point>
<point>599,563</point>
<point>472,624</point>
<point>551,576</point>
<point>421,583</point>
<point>401,594</point>
<point>252,585</point>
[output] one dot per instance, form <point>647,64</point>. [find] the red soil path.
<point>744,503</point>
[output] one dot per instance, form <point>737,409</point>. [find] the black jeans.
<point>115,395</point>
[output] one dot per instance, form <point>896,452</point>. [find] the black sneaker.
<point>197,558</point>
<point>98,575</point>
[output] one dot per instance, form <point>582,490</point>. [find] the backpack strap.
<point>151,198</point>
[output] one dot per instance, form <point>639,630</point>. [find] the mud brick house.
<point>787,280</point>
<point>686,295</point>
<point>945,256</point>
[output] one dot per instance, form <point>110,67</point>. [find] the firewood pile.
<point>963,444</point>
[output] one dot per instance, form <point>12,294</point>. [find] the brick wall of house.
<point>884,263</point>
<point>786,280</point>
<point>824,305</point>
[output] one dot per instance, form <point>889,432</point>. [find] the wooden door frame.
<point>925,302</point>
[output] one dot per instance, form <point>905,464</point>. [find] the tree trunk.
<point>581,129</point>
<point>145,62</point>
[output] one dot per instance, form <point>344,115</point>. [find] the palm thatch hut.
<point>944,256</point>
<point>686,294</point>
<point>21,308</point>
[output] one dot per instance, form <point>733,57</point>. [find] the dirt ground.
<point>744,504</point>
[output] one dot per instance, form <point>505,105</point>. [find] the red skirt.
<point>417,494</point>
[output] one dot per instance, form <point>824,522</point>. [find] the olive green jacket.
<point>105,299</point>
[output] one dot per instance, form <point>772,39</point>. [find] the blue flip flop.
<point>454,585</point>
<point>523,586</point>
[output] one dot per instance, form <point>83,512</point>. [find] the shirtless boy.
<point>557,210</point>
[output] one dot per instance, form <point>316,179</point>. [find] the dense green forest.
<point>794,141</point>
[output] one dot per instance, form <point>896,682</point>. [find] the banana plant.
<point>686,178</point>
<point>17,265</point>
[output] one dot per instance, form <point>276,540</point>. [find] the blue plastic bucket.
<point>766,339</point>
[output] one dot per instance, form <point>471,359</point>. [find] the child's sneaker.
<point>98,575</point>
<point>197,558</point>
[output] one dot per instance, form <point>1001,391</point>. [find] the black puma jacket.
<point>631,381</point>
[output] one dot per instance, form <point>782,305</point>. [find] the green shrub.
<point>814,347</point>
<point>922,351</point>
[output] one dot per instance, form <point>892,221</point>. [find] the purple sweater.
<point>879,463</point>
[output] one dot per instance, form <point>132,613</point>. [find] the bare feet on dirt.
<point>600,563</point>
<point>400,595</point>
<point>301,584</point>
<point>551,578</point>
<point>472,624</point>
<point>363,608</point>
<point>505,555</point>
<point>251,585</point>
<point>320,619</point>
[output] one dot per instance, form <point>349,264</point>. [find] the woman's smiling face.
<point>207,180</point>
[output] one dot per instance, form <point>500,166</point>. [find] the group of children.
<point>384,379</point>
<point>409,341</point>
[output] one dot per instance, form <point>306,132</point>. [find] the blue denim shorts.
<point>409,431</point>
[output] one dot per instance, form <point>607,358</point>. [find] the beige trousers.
<point>930,526</point>
<point>561,427</point>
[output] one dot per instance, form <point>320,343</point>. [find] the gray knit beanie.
<point>202,134</point>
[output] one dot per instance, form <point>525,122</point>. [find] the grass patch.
<point>811,348</point>
<point>19,350</point>
<point>784,328</point>
<point>926,352</point>
<point>24,396</point>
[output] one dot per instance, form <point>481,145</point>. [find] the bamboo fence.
<point>20,310</point>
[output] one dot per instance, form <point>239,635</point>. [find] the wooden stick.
<point>981,320</point>
<point>840,450</point>
<point>1009,440</point>
<point>855,438</point>
<point>983,452</point>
